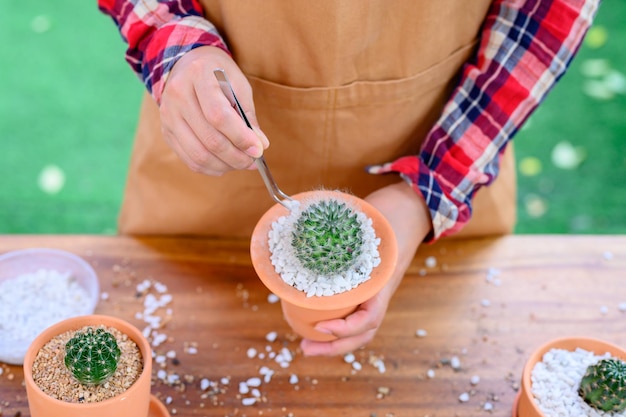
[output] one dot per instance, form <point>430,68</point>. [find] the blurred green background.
<point>69,102</point>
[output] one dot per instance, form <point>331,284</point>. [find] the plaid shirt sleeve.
<point>158,34</point>
<point>525,47</point>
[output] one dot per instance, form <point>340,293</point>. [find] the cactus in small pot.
<point>92,356</point>
<point>604,385</point>
<point>323,256</point>
<point>328,237</point>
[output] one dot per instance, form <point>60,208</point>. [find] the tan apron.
<point>338,85</point>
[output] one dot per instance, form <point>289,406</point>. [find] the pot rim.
<point>76,323</point>
<point>259,251</point>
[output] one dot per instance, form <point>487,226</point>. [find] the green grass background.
<point>68,99</point>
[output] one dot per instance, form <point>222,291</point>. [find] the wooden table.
<point>487,302</point>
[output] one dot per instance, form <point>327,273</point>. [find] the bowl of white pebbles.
<point>38,288</point>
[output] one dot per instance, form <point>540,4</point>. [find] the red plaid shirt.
<point>525,47</point>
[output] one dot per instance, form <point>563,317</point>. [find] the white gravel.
<point>31,302</point>
<point>555,381</point>
<point>289,267</point>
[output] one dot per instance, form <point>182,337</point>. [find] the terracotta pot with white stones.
<point>573,376</point>
<point>325,255</point>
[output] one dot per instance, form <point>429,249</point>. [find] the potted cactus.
<point>325,255</point>
<point>576,376</point>
<point>93,365</point>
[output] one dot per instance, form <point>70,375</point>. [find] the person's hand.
<point>199,123</point>
<point>410,219</point>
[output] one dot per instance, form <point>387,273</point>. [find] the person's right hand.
<point>199,123</point>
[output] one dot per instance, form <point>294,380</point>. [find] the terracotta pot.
<point>135,401</point>
<point>302,312</point>
<point>525,404</point>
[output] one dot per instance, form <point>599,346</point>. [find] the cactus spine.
<point>92,356</point>
<point>604,385</point>
<point>328,237</point>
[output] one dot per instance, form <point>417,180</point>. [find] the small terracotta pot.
<point>525,404</point>
<point>135,401</point>
<point>302,312</point>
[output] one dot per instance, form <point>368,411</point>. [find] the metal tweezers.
<point>275,192</point>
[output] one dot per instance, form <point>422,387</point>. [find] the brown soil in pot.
<point>51,375</point>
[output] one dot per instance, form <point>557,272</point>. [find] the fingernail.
<point>323,330</point>
<point>254,151</point>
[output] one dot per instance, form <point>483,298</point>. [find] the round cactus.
<point>604,385</point>
<point>92,356</point>
<point>327,238</point>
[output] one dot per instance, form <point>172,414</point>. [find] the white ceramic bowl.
<point>30,301</point>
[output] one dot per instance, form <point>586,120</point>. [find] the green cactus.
<point>92,355</point>
<point>604,385</point>
<point>328,237</point>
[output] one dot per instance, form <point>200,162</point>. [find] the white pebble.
<point>604,310</point>
<point>168,400</point>
<point>607,255</point>
<point>248,401</point>
<point>485,303</point>
<point>421,333</point>
<point>104,296</point>
<point>143,286</point>
<point>293,379</point>
<point>204,384</point>
<point>430,373</point>
<point>455,362</point>
<point>160,288</point>
<point>380,365</point>
<point>192,350</point>
<point>474,380</point>
<point>357,366</point>
<point>488,406</point>
<point>243,388</point>
<point>271,337</point>
<point>161,374</point>
<point>253,382</point>
<point>464,397</point>
<point>430,262</point>
<point>348,358</point>
<point>272,299</point>
<point>286,354</point>
<point>622,307</point>
<point>171,354</point>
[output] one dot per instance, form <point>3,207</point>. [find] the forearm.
<point>525,47</point>
<point>158,34</point>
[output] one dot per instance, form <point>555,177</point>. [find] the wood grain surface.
<point>487,302</point>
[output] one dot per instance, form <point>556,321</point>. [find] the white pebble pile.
<point>295,274</point>
<point>31,302</point>
<point>555,381</point>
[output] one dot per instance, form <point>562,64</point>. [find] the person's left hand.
<point>410,219</point>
